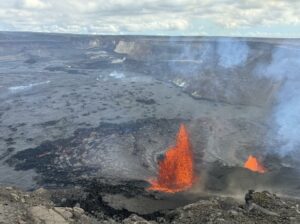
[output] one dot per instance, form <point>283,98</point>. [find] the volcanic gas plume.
<point>176,170</point>
<point>254,165</point>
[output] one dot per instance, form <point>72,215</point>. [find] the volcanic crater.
<point>137,124</point>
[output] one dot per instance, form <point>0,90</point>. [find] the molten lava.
<point>176,170</point>
<point>254,165</point>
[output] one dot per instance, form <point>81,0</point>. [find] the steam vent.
<point>136,129</point>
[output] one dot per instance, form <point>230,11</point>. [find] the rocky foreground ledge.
<point>38,207</point>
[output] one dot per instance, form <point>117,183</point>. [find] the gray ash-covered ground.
<point>96,113</point>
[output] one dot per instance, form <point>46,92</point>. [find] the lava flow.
<point>254,165</point>
<point>176,170</point>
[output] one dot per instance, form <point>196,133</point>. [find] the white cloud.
<point>35,4</point>
<point>144,16</point>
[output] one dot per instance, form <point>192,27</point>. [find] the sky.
<point>252,18</point>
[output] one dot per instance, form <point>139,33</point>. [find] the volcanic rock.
<point>210,209</point>
<point>134,219</point>
<point>21,207</point>
<point>216,210</point>
<point>41,214</point>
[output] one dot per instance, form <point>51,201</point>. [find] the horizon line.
<point>145,35</point>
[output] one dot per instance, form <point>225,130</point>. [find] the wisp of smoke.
<point>285,67</point>
<point>194,58</point>
<point>232,53</point>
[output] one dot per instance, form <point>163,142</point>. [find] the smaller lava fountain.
<point>254,165</point>
<point>176,170</point>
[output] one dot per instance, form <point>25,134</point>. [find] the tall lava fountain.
<point>176,170</point>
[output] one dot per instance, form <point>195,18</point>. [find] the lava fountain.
<point>176,169</point>
<point>254,165</point>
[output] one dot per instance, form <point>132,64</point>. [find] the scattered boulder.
<point>64,212</point>
<point>78,211</point>
<point>43,215</point>
<point>135,219</point>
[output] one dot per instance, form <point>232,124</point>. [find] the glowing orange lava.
<point>176,170</point>
<point>254,165</point>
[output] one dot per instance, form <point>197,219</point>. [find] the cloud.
<point>148,16</point>
<point>34,4</point>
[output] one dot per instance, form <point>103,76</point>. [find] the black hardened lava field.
<point>135,129</point>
